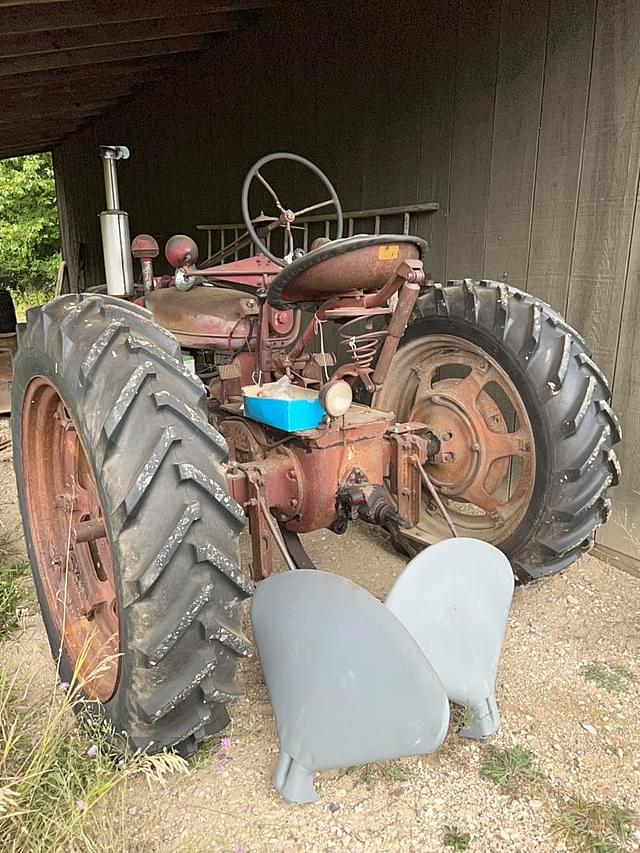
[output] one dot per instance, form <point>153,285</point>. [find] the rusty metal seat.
<point>361,263</point>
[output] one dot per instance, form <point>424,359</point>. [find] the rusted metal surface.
<point>485,469</point>
<point>145,248</point>
<point>71,544</point>
<point>305,480</point>
<point>205,316</point>
<point>365,269</point>
<point>397,325</point>
<point>404,479</point>
<point>254,272</point>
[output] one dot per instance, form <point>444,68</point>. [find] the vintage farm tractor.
<point>470,409</point>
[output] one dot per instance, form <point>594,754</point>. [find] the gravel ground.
<point>584,738</point>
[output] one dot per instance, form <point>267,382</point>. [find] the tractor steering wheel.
<point>285,217</point>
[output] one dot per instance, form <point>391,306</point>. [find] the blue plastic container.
<point>303,412</point>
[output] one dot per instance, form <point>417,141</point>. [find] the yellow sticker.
<point>388,253</point>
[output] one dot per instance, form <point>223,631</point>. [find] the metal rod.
<point>275,532</point>
<point>111,183</point>
<point>434,494</point>
<point>87,531</point>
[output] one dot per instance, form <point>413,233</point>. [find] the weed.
<point>509,768</point>
<point>461,717</point>
<point>389,771</point>
<point>30,298</point>
<point>615,679</point>
<point>455,839</point>
<point>11,588</point>
<point>590,826</point>
<point>55,774</point>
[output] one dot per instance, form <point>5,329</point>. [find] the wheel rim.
<point>71,544</point>
<point>485,471</point>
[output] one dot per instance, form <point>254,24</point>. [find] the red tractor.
<point>469,409</point>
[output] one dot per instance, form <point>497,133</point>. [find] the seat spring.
<point>361,347</point>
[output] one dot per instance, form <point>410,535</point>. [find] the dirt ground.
<point>584,738</point>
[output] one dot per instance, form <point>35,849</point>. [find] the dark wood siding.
<point>520,117</point>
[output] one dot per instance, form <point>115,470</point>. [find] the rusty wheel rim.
<point>70,541</point>
<point>485,471</point>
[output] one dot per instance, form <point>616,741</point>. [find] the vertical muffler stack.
<point>114,224</point>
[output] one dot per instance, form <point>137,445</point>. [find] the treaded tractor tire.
<point>173,528</point>
<point>567,399</point>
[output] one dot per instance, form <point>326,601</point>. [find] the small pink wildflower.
<point>80,805</point>
<point>220,768</point>
<point>239,848</point>
<point>225,743</point>
<point>92,751</point>
<point>63,686</point>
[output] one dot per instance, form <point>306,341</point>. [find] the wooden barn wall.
<point>520,117</point>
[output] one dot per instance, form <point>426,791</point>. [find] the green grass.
<point>12,588</point>
<point>25,299</point>
<point>461,717</point>
<point>590,826</point>
<point>370,774</point>
<point>58,780</point>
<point>615,679</point>
<point>11,594</point>
<point>455,839</point>
<point>509,768</point>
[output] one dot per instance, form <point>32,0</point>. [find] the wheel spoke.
<point>498,445</point>
<point>270,190</point>
<point>313,207</point>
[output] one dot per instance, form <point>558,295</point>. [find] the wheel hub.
<point>457,465</point>
<point>70,540</point>
<point>485,470</point>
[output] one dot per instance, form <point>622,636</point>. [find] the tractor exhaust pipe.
<point>114,225</point>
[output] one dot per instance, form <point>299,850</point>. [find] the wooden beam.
<point>38,129</point>
<point>630,565</point>
<point>137,70</point>
<point>65,113</point>
<point>108,34</point>
<point>27,102</point>
<point>63,15</point>
<point>32,148</point>
<point>28,2</point>
<point>97,55</point>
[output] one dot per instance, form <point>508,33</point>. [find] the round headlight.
<point>336,397</point>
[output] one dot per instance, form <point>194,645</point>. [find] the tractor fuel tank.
<point>205,317</point>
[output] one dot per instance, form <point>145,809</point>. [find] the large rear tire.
<point>514,382</point>
<point>112,443</point>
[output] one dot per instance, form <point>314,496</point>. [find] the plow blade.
<point>353,680</point>
<point>348,683</point>
<point>454,599</point>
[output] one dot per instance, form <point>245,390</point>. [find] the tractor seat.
<point>364,263</point>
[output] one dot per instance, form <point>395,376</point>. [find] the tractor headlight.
<point>336,397</point>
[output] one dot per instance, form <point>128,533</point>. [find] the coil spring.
<point>362,347</point>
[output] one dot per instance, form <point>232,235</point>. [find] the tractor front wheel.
<point>131,535</point>
<point>525,422</point>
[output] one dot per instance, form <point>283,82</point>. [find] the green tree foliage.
<point>29,232</point>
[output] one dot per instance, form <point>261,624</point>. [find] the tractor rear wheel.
<point>131,534</point>
<point>525,419</point>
